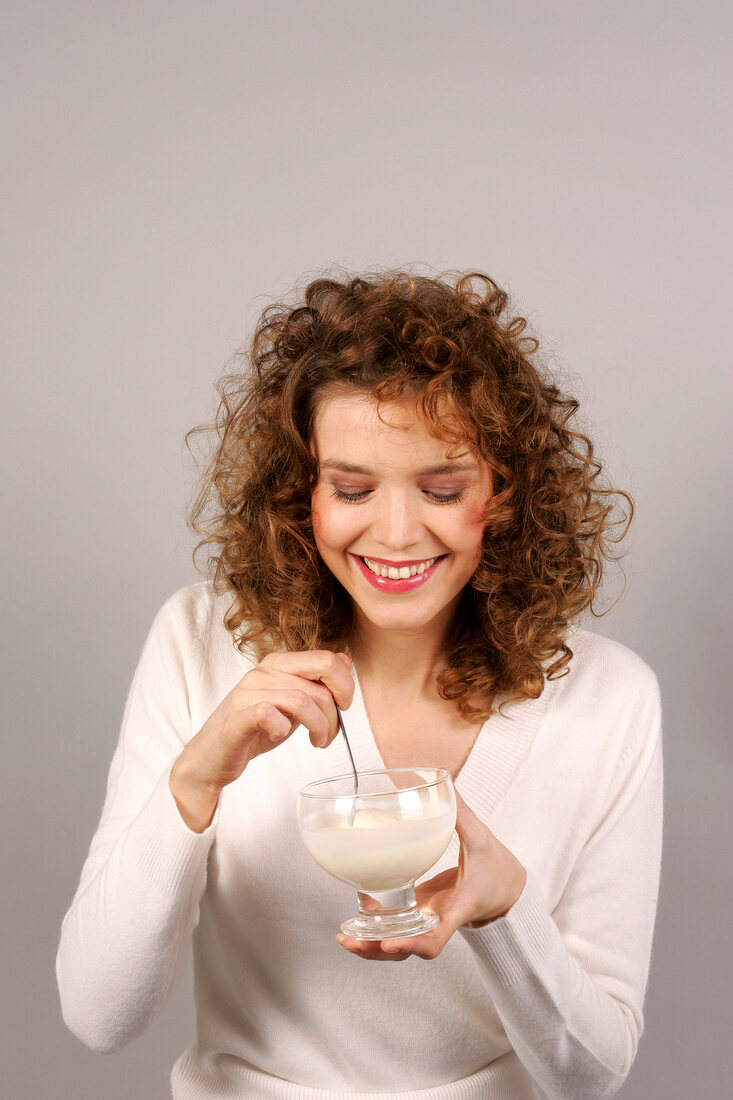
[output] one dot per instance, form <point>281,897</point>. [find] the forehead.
<point>350,425</point>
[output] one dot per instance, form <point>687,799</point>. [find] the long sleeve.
<point>125,938</point>
<point>569,986</point>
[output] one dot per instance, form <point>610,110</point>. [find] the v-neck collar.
<point>496,756</point>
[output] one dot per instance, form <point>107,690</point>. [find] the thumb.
<point>345,658</point>
<point>469,827</point>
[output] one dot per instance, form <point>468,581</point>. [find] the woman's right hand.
<point>284,691</point>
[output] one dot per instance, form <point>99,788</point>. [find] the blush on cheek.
<point>316,514</point>
<point>477,512</point>
<point>476,520</point>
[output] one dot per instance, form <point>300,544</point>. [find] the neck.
<point>405,662</point>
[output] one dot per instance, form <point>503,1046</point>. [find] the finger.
<point>304,709</point>
<point>263,682</point>
<point>275,665</point>
<point>452,910</point>
<point>265,717</point>
<point>427,946</point>
<point>295,705</point>
<point>446,880</point>
<point>317,665</point>
<point>324,700</point>
<point>371,950</point>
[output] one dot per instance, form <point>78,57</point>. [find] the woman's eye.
<point>445,498</point>
<point>350,498</point>
<point>355,497</point>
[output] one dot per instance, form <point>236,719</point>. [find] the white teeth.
<point>393,573</point>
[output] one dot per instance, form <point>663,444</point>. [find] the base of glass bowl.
<point>389,915</point>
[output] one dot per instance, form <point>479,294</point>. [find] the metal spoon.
<point>342,727</point>
<point>353,767</point>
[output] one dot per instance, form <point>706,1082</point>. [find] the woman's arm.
<point>569,987</point>
<point>125,938</point>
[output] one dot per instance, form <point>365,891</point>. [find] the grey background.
<point>172,167</point>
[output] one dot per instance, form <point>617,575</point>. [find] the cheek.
<point>475,523</point>
<point>316,517</point>
<point>476,515</point>
<point>330,526</point>
<point>466,542</point>
<point>468,534</point>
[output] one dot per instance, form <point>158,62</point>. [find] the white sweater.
<point>552,992</point>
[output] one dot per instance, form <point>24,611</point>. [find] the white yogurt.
<point>380,851</point>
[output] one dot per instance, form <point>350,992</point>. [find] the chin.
<point>394,619</point>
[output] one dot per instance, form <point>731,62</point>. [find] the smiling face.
<point>397,521</point>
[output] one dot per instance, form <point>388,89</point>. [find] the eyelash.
<point>356,498</point>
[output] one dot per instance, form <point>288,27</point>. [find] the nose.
<point>397,525</point>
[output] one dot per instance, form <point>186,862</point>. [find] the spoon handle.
<point>348,747</point>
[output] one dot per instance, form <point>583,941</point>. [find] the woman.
<point>406,523</point>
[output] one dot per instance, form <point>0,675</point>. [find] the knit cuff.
<point>166,850</point>
<point>517,944</point>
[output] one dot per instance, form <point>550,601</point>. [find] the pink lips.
<point>386,584</point>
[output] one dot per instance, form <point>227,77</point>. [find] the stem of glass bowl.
<point>389,914</point>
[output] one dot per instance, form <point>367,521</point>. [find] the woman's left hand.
<point>484,886</point>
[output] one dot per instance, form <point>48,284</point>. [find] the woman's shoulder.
<point>604,666</point>
<point>192,603</point>
<point>194,614</point>
<point>607,705</point>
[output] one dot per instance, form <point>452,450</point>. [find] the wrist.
<point>503,908</point>
<point>196,802</point>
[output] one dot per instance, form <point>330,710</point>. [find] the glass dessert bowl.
<point>380,840</point>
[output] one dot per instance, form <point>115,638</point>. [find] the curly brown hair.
<point>550,524</point>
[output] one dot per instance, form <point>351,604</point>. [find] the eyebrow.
<point>444,468</point>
